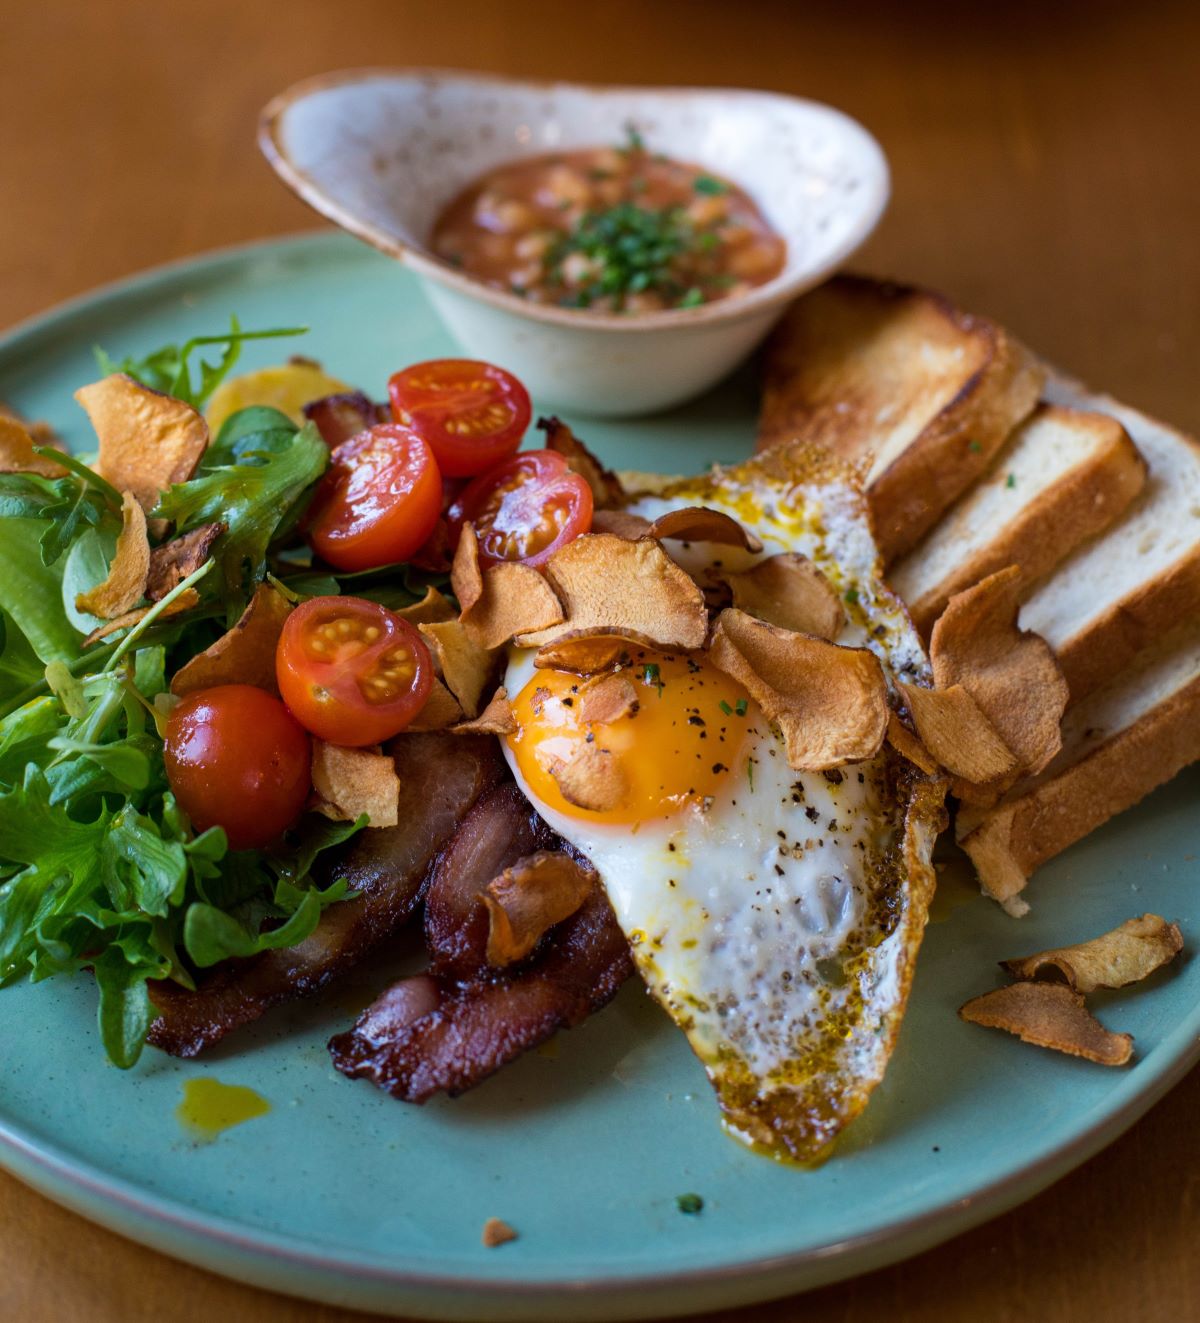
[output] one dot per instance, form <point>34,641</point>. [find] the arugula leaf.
<point>254,497</point>
<point>20,666</point>
<point>211,935</point>
<point>124,1013</point>
<point>169,369</point>
<point>31,592</point>
<point>249,435</point>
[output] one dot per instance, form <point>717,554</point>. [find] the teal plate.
<point>341,1194</point>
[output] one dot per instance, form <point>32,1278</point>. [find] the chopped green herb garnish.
<point>650,675</point>
<point>707,241</point>
<point>692,299</point>
<point>634,142</point>
<point>974,447</point>
<point>742,705</point>
<point>1010,481</point>
<point>599,175</point>
<point>637,185</point>
<point>750,772</point>
<point>691,1204</point>
<point>710,186</point>
<point>852,596</point>
<point>724,706</point>
<point>629,249</point>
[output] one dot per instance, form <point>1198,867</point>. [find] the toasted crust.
<point>900,376</point>
<point>1042,530</point>
<point>1116,595</point>
<point>1097,775</point>
<point>1129,626</point>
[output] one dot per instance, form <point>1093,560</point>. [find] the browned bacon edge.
<point>502,828</point>
<point>441,777</point>
<point>429,1034</point>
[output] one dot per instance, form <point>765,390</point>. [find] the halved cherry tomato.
<point>525,508</point>
<point>471,413</point>
<point>236,758</point>
<point>378,502</point>
<point>351,671</point>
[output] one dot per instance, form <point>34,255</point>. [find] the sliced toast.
<point>1116,595</point>
<point>1062,477</point>
<point>1118,744</point>
<point>899,378</point>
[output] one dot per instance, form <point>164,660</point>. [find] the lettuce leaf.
<point>257,496</point>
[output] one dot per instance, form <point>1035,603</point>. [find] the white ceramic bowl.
<point>381,152</point>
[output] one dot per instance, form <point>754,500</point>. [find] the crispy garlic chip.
<point>1126,955</point>
<point>1050,1015</point>
<point>17,453</point>
<point>830,702</point>
<point>904,741</point>
<point>954,729</point>
<point>528,899</point>
<point>497,718</point>
<point>1012,674</point>
<point>172,562</point>
<point>699,523</point>
<point>585,651</point>
<point>441,710</point>
<point>633,589</point>
<point>351,782</point>
<point>462,664</point>
<point>148,441</point>
<point>501,601</point>
<point>245,654</point>
<point>496,1232</point>
<point>431,609</point>
<point>606,486</point>
<point>789,591</point>
<point>466,577</point>
<point>590,779</point>
<point>184,602</point>
<point>125,583</point>
<point>607,698</point>
<point>621,523</point>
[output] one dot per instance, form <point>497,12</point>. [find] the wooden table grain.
<point>1046,170</point>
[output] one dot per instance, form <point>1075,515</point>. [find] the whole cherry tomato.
<point>472,414</point>
<point>525,508</point>
<point>378,502</point>
<point>351,671</point>
<point>237,759</point>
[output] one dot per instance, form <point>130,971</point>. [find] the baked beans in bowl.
<point>620,249</point>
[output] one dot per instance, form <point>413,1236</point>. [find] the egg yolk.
<point>675,744</point>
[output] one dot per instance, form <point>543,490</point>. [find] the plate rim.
<point>195,1236</point>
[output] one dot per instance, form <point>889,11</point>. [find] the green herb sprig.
<point>169,369</point>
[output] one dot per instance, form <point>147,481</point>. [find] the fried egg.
<point>775,915</point>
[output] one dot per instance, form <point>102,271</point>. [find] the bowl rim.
<point>758,302</point>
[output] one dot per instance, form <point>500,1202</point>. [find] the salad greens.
<point>169,369</point>
<point>100,868</point>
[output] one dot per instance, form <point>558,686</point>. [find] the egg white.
<point>775,922</point>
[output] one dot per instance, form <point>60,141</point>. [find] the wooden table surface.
<point>1046,170</point>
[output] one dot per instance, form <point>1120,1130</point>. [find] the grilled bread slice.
<point>1118,744</point>
<point>900,378</point>
<point>1062,477</point>
<point>1120,592</point>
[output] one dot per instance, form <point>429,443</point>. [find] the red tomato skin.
<point>326,697</point>
<point>236,758</point>
<point>473,414</point>
<point>547,480</point>
<point>379,501</point>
